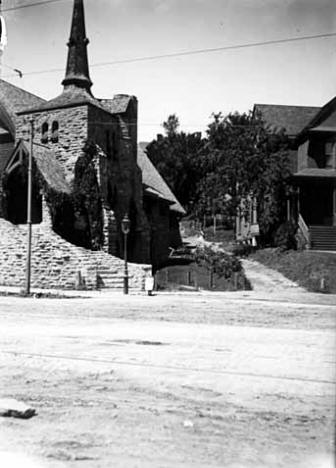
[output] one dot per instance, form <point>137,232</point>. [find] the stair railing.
<point>304,230</point>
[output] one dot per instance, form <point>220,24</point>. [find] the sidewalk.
<point>291,296</point>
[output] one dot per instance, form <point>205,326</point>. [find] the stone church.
<point>88,170</point>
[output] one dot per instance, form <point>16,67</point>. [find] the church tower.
<point>77,68</point>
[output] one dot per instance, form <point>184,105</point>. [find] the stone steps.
<point>59,264</point>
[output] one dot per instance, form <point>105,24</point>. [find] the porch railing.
<point>304,230</point>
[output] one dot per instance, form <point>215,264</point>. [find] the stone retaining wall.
<point>56,263</point>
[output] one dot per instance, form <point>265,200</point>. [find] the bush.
<point>220,263</point>
<point>243,250</point>
<point>284,236</point>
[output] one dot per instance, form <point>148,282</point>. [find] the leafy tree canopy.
<point>240,157</point>
<point>177,157</point>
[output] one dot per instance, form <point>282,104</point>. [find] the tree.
<point>171,125</point>
<point>243,157</point>
<point>177,156</point>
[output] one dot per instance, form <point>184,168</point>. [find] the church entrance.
<point>15,198</point>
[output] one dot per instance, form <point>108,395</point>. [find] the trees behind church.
<point>238,157</point>
<point>177,156</point>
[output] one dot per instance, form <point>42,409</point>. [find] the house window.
<point>329,151</point>
<point>54,132</point>
<point>44,132</point>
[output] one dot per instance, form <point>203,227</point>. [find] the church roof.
<point>77,68</point>
<point>50,168</point>
<point>71,97</point>
<point>12,101</point>
<point>47,164</point>
<point>292,119</point>
<point>117,105</point>
<point>6,152</point>
<point>77,82</point>
<point>155,182</point>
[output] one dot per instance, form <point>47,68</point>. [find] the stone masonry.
<point>57,264</point>
<point>72,122</point>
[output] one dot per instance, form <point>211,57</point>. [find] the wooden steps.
<point>322,237</point>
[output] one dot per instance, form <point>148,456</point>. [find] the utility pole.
<point>125,227</point>
<point>29,207</point>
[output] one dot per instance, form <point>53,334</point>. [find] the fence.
<point>196,277</point>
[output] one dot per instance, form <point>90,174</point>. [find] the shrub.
<point>220,263</point>
<point>243,250</point>
<point>284,236</point>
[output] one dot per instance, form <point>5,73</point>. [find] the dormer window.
<point>54,132</point>
<point>44,132</point>
<point>329,152</point>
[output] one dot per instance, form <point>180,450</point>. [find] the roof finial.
<point>77,70</point>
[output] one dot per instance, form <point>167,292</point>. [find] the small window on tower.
<point>54,132</point>
<point>44,133</point>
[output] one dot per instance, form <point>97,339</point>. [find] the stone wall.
<point>72,133</point>
<point>57,264</point>
<point>158,214</point>
<point>103,129</point>
<point>120,181</point>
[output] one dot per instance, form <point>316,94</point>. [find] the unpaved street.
<point>192,380</point>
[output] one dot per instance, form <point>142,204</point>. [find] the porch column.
<point>298,200</point>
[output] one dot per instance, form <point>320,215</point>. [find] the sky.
<point>194,86</point>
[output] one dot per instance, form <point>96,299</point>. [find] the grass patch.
<point>315,271</point>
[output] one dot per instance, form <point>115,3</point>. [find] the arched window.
<point>44,132</point>
<point>54,132</point>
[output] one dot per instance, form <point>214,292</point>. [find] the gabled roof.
<point>117,105</point>
<point>324,120</point>
<point>6,151</point>
<point>46,162</point>
<point>16,98</point>
<point>155,183</point>
<point>292,119</point>
<point>12,101</point>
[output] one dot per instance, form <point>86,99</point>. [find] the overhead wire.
<point>28,5</point>
<point>191,52</point>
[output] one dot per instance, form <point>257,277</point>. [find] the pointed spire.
<point>77,70</point>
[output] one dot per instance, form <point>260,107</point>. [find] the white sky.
<point>193,87</point>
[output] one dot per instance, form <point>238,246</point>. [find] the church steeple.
<point>77,70</point>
